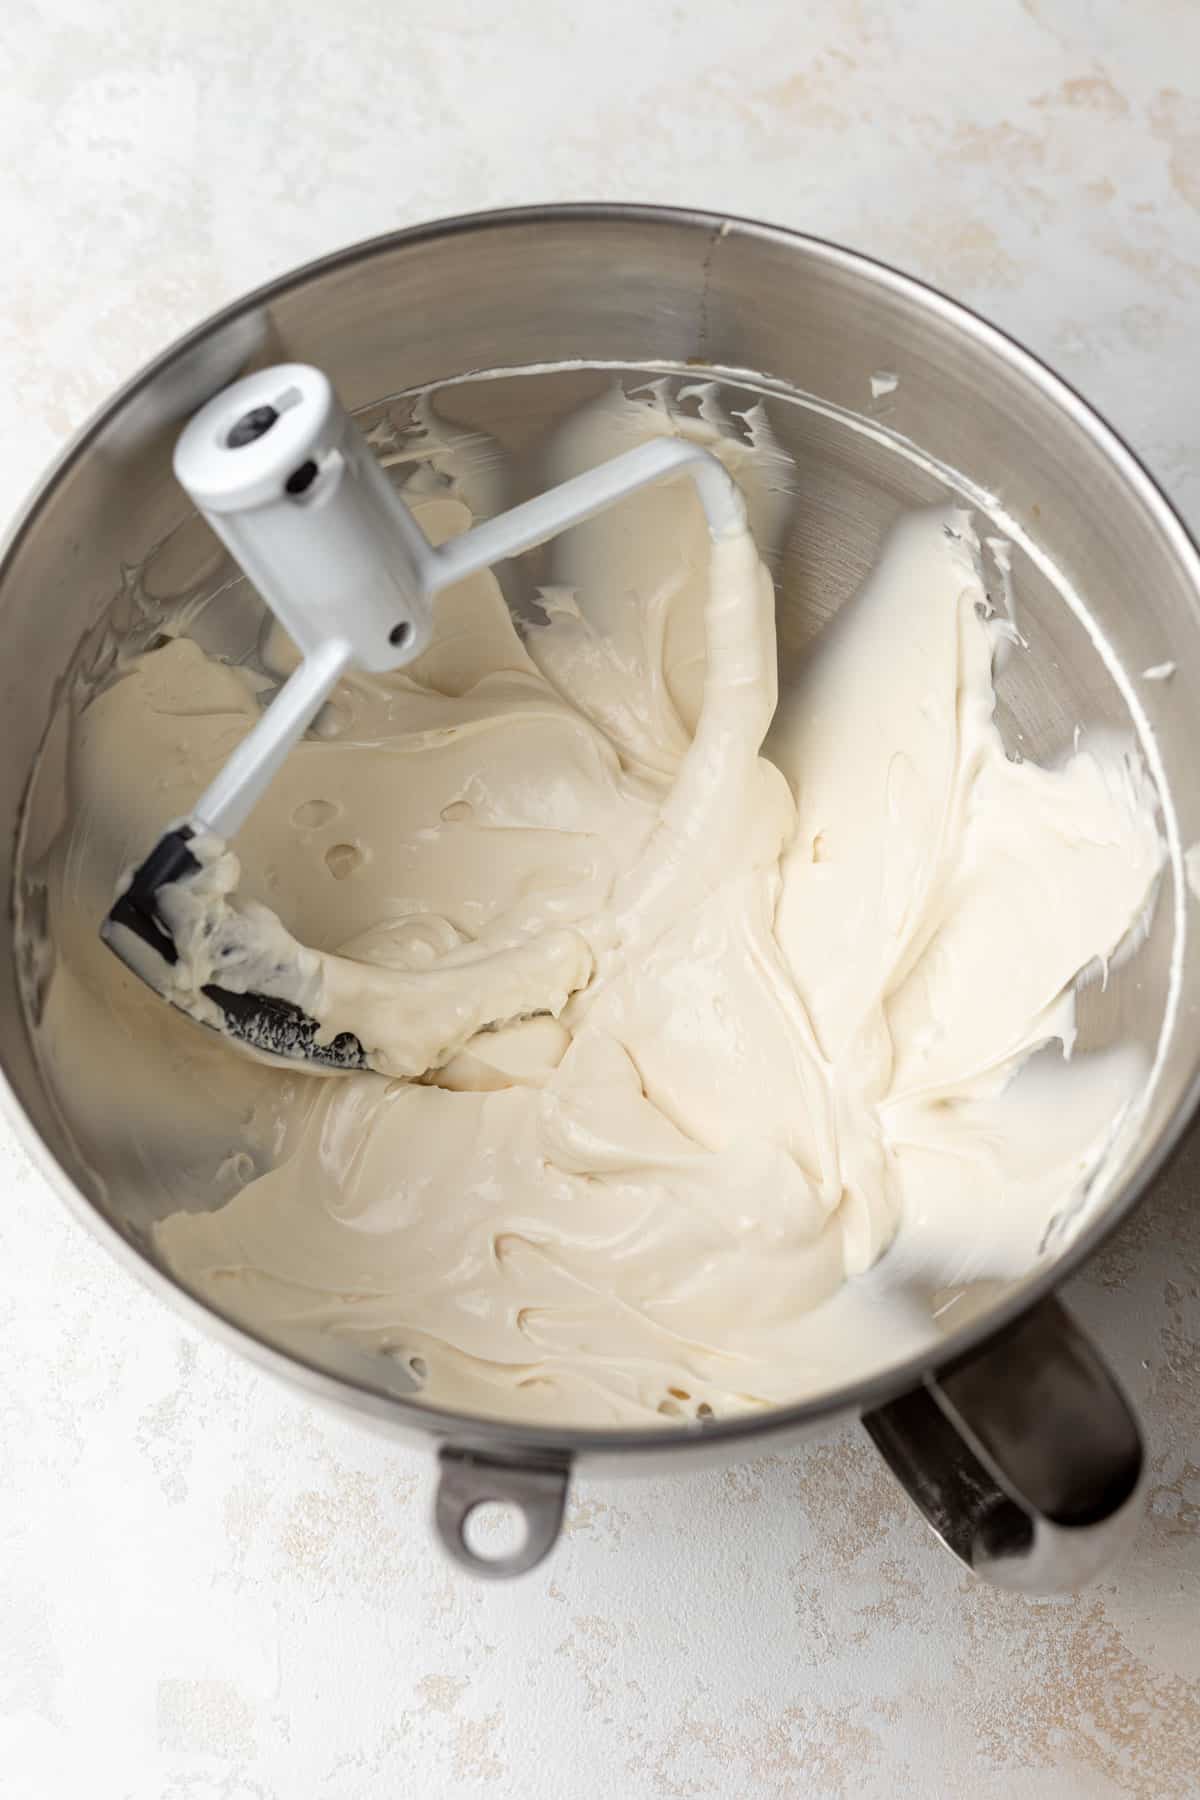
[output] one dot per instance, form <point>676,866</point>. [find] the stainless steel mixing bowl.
<point>1013,1438</point>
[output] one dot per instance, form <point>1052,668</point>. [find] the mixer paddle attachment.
<point>290,486</point>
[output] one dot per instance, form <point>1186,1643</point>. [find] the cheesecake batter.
<point>769,989</point>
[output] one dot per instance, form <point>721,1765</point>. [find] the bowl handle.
<point>468,1479</point>
<point>1024,1456</point>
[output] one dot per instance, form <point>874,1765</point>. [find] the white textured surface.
<point>210,1591</point>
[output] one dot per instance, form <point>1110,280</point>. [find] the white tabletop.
<point>210,1590</point>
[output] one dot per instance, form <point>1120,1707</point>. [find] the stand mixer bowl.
<point>1011,1436</point>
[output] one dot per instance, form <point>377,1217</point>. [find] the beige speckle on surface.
<point>206,1716</point>
<point>441,1693</point>
<point>209,1589</point>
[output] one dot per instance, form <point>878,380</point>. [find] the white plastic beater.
<point>291,487</point>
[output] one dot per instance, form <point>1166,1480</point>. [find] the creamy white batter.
<point>785,1000</point>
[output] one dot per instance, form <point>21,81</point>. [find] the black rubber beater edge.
<point>272,1026</point>
<point>136,909</point>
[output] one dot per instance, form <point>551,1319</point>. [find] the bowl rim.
<point>515,1437</point>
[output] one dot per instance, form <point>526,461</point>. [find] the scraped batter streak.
<point>785,998</point>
